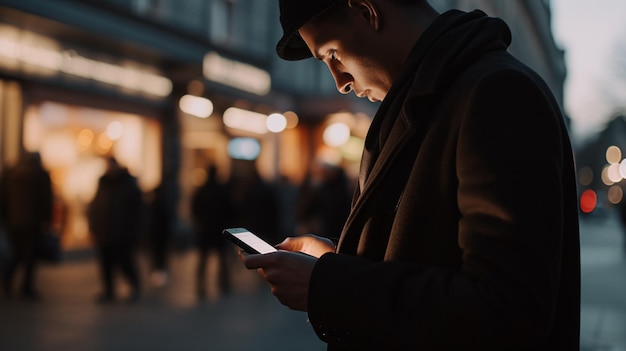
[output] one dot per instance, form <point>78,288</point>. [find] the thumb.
<point>289,244</point>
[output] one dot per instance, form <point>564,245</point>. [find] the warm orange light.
<point>85,138</point>
<point>613,154</point>
<point>615,194</point>
<point>588,201</point>
<point>292,119</point>
<point>585,175</point>
<point>104,144</point>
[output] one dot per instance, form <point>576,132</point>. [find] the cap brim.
<point>291,47</point>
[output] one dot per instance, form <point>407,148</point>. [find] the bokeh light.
<point>588,201</point>
<point>276,123</point>
<point>615,194</point>
<point>85,138</point>
<point>613,173</point>
<point>613,154</point>
<point>336,134</point>
<point>244,148</point>
<point>115,130</point>
<point>292,119</point>
<point>605,176</point>
<point>585,176</point>
<point>196,106</point>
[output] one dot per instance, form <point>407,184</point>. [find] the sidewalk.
<point>171,318</point>
<point>165,319</point>
<point>603,301</point>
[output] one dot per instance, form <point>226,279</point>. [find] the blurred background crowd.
<point>124,222</point>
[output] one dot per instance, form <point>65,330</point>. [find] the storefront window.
<point>74,141</point>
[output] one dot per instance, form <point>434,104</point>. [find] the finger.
<point>254,261</point>
<point>289,244</point>
<point>250,261</point>
<point>242,255</point>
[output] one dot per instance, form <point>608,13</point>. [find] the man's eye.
<point>333,55</point>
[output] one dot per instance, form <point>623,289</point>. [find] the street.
<point>250,318</point>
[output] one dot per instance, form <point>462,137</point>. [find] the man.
<point>115,218</point>
<point>463,234</point>
<point>26,201</point>
<point>211,211</point>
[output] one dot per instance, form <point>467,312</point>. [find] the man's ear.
<point>368,11</point>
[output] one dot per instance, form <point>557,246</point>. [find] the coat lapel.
<point>411,99</point>
<point>399,137</point>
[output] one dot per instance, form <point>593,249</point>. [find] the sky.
<point>590,33</point>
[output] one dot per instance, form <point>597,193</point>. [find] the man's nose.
<point>346,88</point>
<point>343,81</point>
<point>344,85</point>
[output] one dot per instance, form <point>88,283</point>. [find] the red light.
<point>588,201</point>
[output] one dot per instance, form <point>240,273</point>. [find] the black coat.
<point>212,212</point>
<point>27,200</point>
<point>464,234</point>
<point>116,214</point>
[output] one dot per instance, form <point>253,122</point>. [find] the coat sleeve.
<point>509,166</point>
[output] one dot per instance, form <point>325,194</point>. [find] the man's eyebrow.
<point>317,56</point>
<point>321,56</point>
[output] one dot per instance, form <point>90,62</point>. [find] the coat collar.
<point>406,108</point>
<point>403,133</point>
<point>453,41</point>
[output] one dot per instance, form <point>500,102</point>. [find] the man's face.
<point>354,55</point>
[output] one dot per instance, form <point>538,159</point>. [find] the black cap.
<point>293,15</point>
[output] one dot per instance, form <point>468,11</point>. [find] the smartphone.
<point>249,242</point>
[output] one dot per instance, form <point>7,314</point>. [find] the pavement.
<point>603,273</point>
<point>249,317</point>
<point>165,318</point>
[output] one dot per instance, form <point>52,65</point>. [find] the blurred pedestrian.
<point>212,211</point>
<point>324,200</point>
<point>287,197</point>
<point>256,204</point>
<point>159,231</point>
<point>115,218</point>
<point>5,249</point>
<point>27,201</point>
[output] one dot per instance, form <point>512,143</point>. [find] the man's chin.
<point>374,97</point>
<point>366,95</point>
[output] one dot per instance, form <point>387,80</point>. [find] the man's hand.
<point>288,274</point>
<point>309,244</point>
<point>289,270</point>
